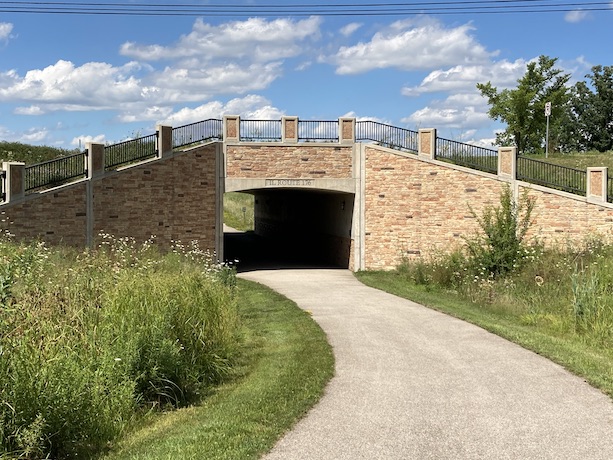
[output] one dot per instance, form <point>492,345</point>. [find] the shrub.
<point>500,248</point>
<point>88,338</point>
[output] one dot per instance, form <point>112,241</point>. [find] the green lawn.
<point>286,365</point>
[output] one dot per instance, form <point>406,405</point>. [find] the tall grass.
<point>565,290</point>
<point>88,339</point>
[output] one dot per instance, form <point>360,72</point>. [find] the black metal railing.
<point>260,130</point>
<point>207,130</point>
<point>468,155</point>
<point>130,151</point>
<point>551,175</point>
<point>55,172</point>
<point>387,135</point>
<point>66,169</point>
<point>317,131</point>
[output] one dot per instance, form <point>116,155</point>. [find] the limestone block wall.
<point>415,207</point>
<point>306,160</point>
<point>57,216</point>
<point>560,218</point>
<point>174,199</point>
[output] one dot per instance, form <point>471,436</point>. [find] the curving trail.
<point>412,383</point>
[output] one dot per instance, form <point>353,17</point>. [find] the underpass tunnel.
<point>295,228</point>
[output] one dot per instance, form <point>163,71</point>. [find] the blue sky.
<point>66,78</point>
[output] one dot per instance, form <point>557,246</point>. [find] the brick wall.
<point>559,219</point>
<point>173,198</point>
<point>298,161</point>
<point>56,217</point>
<point>414,208</point>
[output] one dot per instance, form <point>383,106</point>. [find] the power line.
<point>335,9</point>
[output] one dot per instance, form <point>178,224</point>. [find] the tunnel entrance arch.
<point>295,227</point>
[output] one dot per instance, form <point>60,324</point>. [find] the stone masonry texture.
<point>172,198</point>
<point>416,208</point>
<point>299,161</point>
<point>56,217</point>
<point>413,207</point>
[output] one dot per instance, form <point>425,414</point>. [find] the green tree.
<point>590,112</point>
<point>523,109</point>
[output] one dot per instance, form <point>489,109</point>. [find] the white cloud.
<point>576,16</point>
<point>81,141</point>
<point>255,40</point>
<point>92,86</point>
<point>463,108</point>
<point>5,133</point>
<point>465,78</point>
<point>149,113</point>
<point>349,29</point>
<point>5,31</point>
<point>412,45</point>
<point>181,84</point>
<point>447,114</point>
<point>34,136</point>
<point>232,58</point>
<point>251,106</point>
<point>31,110</point>
<point>352,114</point>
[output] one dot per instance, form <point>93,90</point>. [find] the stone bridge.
<point>341,197</point>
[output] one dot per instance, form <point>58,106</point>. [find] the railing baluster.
<point>130,151</point>
<point>469,155</point>
<point>551,175</point>
<point>387,135</point>
<point>54,172</point>
<point>317,131</point>
<point>201,131</point>
<point>260,130</point>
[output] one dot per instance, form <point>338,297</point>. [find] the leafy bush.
<point>86,339</point>
<point>500,249</point>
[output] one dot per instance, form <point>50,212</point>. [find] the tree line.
<point>581,116</point>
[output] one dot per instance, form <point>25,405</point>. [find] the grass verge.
<point>286,365</point>
<point>593,363</point>
<point>238,210</point>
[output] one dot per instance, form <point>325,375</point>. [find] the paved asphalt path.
<point>412,383</point>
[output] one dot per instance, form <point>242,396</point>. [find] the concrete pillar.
<point>220,185</point>
<point>15,181</point>
<point>427,143</point>
<point>164,140</point>
<point>95,160</point>
<point>596,189</point>
<point>346,130</point>
<point>95,169</point>
<point>507,162</point>
<point>289,129</point>
<point>231,128</point>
